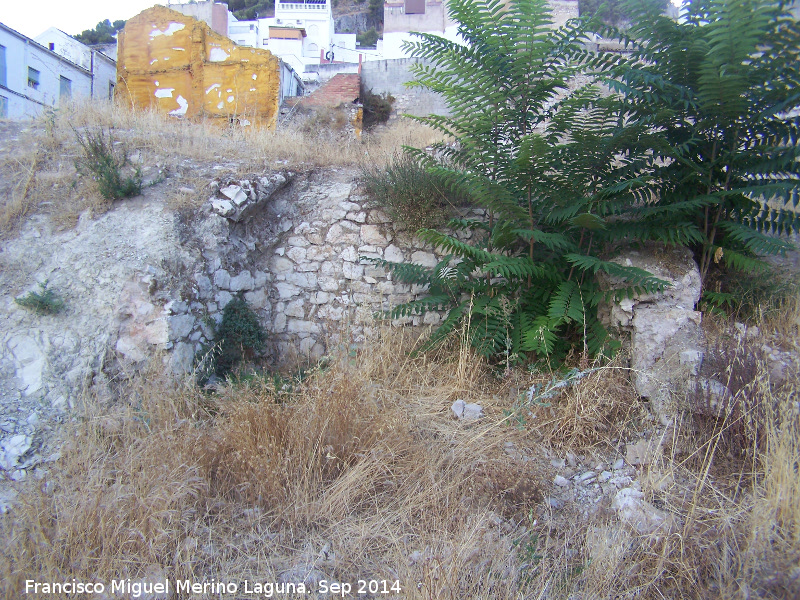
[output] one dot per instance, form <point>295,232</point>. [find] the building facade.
<point>102,67</point>
<point>34,78</point>
<point>181,67</point>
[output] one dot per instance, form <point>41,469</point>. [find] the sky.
<point>32,17</point>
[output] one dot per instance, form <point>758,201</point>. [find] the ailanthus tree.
<point>557,173</point>
<point>698,132</point>
<point>720,86</point>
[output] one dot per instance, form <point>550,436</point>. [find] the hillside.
<point>432,475</point>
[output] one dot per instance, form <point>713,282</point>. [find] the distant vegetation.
<point>367,39</point>
<point>103,33</point>
<point>614,12</point>
<point>248,10</point>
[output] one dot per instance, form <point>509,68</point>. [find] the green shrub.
<point>367,39</point>
<point>702,127</point>
<point>44,302</point>
<point>108,165</point>
<point>720,88</point>
<point>545,169</point>
<point>412,196</point>
<point>377,108</point>
<point>238,337</point>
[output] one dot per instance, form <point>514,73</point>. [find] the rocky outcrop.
<point>667,342</point>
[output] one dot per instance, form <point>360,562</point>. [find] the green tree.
<point>700,130</point>
<point>103,33</point>
<point>559,178</point>
<point>720,87</point>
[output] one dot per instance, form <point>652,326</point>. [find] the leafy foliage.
<point>369,38</point>
<point>108,165</point>
<point>560,177</point>
<point>103,33</point>
<point>248,10</point>
<point>720,87</point>
<point>45,302</point>
<point>696,131</point>
<point>377,108</point>
<point>238,336</point>
<point>613,12</point>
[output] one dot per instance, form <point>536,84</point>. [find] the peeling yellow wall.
<point>170,61</point>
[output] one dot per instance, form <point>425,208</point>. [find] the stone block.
<point>257,299</point>
<point>298,326</point>
<point>180,326</point>
<point>203,286</point>
<point>426,259</point>
<point>328,284</point>
<point>371,234</point>
<point>352,270</point>
<point>286,290</point>
<point>393,254</point>
<point>303,280</point>
<point>281,265</point>
<point>242,282</point>
<point>298,241</point>
<point>349,254</point>
<point>338,235</point>
<point>222,279</point>
<point>223,298</point>
<point>295,309</point>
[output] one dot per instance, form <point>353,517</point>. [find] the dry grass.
<point>361,472</point>
<point>41,178</point>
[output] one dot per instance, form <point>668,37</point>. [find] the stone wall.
<point>292,245</point>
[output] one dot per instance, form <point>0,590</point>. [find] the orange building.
<point>181,66</point>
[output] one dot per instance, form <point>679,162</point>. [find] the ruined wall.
<point>292,246</point>
<point>179,65</point>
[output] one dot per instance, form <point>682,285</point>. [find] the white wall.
<point>103,68</point>
<point>244,33</point>
<point>21,53</point>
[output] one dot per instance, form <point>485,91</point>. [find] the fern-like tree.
<point>560,178</point>
<point>720,87</point>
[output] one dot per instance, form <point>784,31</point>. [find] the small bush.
<point>377,108</point>
<point>46,302</point>
<point>368,39</point>
<point>106,164</point>
<point>410,195</point>
<point>238,337</point>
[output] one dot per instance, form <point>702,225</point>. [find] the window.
<point>3,107</point>
<point>3,65</point>
<point>66,88</point>
<point>52,46</point>
<point>252,27</point>
<point>415,7</point>
<point>33,78</point>
<point>110,90</point>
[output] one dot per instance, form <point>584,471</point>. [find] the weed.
<point>377,108</point>
<point>239,336</point>
<point>107,165</point>
<point>44,302</point>
<point>412,196</point>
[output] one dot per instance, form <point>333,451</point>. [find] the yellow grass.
<point>361,472</point>
<point>43,172</point>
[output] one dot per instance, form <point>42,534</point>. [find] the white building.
<point>102,67</point>
<point>301,33</point>
<point>33,78</point>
